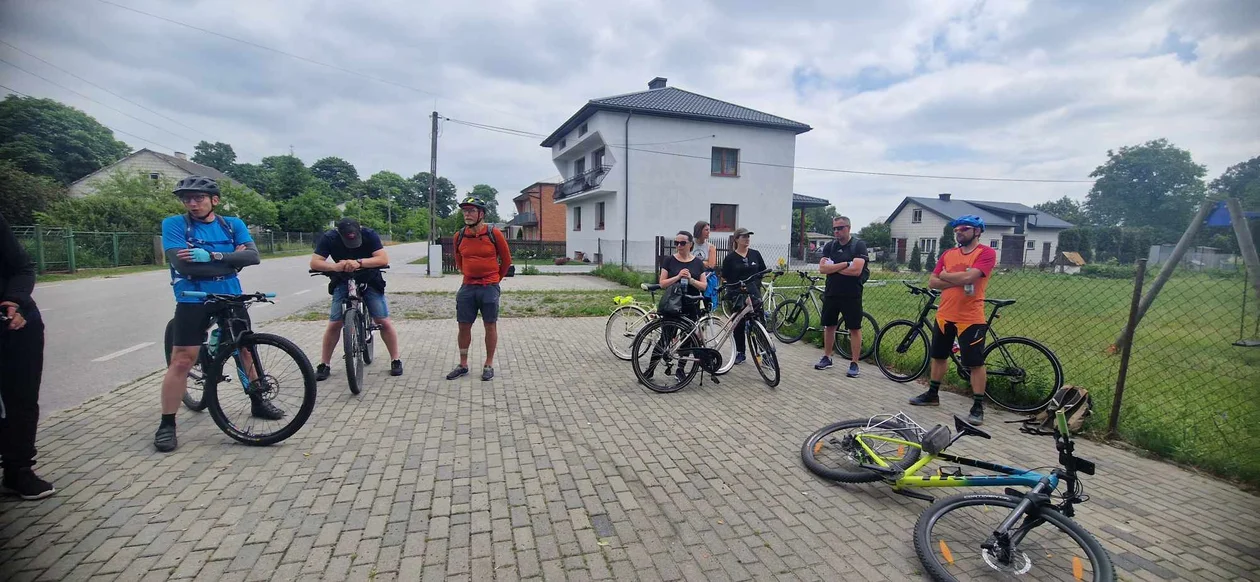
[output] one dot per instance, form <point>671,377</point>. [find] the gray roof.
<point>674,102</point>
<point>193,167</point>
<point>993,213</point>
<point>803,201</point>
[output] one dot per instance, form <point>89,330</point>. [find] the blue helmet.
<point>968,220</point>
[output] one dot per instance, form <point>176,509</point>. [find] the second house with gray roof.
<point>1020,234</point>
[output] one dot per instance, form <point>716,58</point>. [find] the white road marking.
<point>123,352</point>
<point>39,287</point>
<point>303,291</point>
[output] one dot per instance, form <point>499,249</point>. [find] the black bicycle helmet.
<point>474,202</point>
<point>197,184</point>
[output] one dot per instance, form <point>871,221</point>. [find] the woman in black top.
<point>684,264</point>
<point>740,264</point>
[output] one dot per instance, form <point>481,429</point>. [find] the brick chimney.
<point>181,155</point>
<point>657,83</point>
<point>944,196</point>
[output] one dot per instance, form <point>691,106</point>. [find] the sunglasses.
<point>679,243</point>
<point>839,228</point>
<point>964,229</point>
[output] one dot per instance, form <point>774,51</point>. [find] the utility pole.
<point>433,237</point>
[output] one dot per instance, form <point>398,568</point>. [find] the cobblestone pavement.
<point>560,468</point>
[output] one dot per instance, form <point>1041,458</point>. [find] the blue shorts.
<point>374,299</point>
<point>471,299</point>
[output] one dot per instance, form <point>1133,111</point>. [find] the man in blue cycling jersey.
<point>205,251</point>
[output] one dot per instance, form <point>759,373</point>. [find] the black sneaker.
<point>321,372</point>
<point>926,399</point>
<point>457,372</point>
<point>823,364</point>
<point>164,440</point>
<point>976,418</point>
<point>395,368</point>
<point>25,484</point>
<point>487,372</point>
<point>265,410</point>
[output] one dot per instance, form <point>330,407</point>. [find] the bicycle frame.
<point>1010,475</point>
<point>230,337</point>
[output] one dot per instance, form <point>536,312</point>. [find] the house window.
<point>927,245</point>
<point>577,218</point>
<point>722,217</point>
<point>154,175</point>
<point>597,159</point>
<point>582,130</point>
<point>725,162</point>
<point>994,243</point>
<point>599,216</point>
<point>916,217</point>
<point>579,166</point>
<point>1032,245</point>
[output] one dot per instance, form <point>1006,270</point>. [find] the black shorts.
<point>970,342</point>
<point>848,305</point>
<point>471,299</point>
<point>193,319</point>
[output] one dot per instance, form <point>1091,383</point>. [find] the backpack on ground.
<point>1073,400</point>
<point>490,230</point>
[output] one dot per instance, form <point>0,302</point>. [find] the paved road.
<point>106,332</point>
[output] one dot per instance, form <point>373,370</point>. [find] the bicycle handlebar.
<point>920,290</point>
<point>313,272</point>
<point>242,298</point>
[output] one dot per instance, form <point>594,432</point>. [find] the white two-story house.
<point>1021,235</point>
<point>648,164</point>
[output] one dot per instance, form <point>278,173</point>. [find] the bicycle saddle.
<point>650,287</point>
<point>1000,302</point>
<point>966,428</point>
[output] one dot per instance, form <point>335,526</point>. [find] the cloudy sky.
<point>1005,88</point>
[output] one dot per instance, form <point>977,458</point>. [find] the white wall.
<point>932,226</point>
<point>587,239</point>
<point>1039,236</point>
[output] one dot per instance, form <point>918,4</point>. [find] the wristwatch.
<point>216,256</point>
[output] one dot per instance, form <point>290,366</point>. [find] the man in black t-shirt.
<point>352,248</point>
<point>844,264</point>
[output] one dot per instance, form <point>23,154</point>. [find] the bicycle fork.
<point>1002,543</point>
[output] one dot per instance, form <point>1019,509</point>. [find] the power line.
<point>51,82</point>
<point>2,41</point>
<point>521,133</point>
<point>166,147</point>
<point>306,59</point>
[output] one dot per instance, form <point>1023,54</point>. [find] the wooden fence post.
<point>1129,329</point>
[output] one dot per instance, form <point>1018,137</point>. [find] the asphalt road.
<point>106,332</point>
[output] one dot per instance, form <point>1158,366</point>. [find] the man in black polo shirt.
<point>844,264</point>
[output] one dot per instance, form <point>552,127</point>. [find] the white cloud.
<point>1027,89</point>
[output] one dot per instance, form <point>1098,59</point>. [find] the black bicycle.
<point>357,340</point>
<point>271,369</point>
<point>790,320</point>
<point>1023,374</point>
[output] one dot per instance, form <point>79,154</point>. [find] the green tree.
<point>217,155</point>
<point>1077,240</point>
<point>490,196</point>
<point>916,259</point>
<point>449,225</point>
<point>947,242</point>
<point>252,175</point>
<point>1241,181</point>
<point>1066,209</point>
<point>310,211</point>
<point>287,177</point>
<point>249,206</point>
<point>816,220</point>
<point>877,235</point>
<point>444,199</point>
<point>124,201</point>
<point>46,138</point>
<point>23,194</point>
<point>1154,184</point>
<point>387,185</point>
<point>339,174</point>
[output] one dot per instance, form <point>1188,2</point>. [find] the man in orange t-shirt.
<point>962,274</point>
<point>483,256</point>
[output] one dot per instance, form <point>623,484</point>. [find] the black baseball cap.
<point>351,233</point>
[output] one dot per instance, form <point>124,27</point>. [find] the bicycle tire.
<point>812,445</point>
<point>194,402</point>
<point>351,325</point>
<point>681,327</point>
<point>369,342</point>
<point>1103,569</point>
<point>726,348</point>
<point>900,332</point>
<point>787,314</point>
<point>842,338</point>
<point>1039,396</point>
<point>767,362</point>
<point>618,328</point>
<point>308,391</point>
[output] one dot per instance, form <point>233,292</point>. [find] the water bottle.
<point>213,344</point>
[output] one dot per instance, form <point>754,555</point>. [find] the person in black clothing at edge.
<point>676,267</point>
<point>739,264</point>
<point>844,264</point>
<point>21,369</point>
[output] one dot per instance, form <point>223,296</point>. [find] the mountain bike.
<point>357,328</point>
<point>791,320</point>
<point>675,342</point>
<point>270,368</point>
<point>894,448</point>
<point>1023,374</point>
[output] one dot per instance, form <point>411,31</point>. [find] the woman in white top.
<point>704,249</point>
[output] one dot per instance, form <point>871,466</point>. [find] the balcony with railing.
<point>584,182</point>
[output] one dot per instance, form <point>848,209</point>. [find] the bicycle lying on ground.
<point>357,328</point>
<point>1023,374</point>
<point>270,368</point>
<point>894,448</point>
<point>676,342</point>
<point>790,321</point>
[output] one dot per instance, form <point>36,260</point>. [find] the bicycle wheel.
<point>949,535</point>
<point>1023,375</point>
<point>763,354</point>
<point>790,321</point>
<point>870,330</point>
<point>194,392</point>
<point>839,457</point>
<point>770,302</point>
<point>278,373</point>
<point>369,343</point>
<point>655,349</point>
<point>622,325</point>
<point>711,331</point>
<point>350,346</point>
<point>902,345</point>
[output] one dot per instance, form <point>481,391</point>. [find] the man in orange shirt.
<point>962,274</point>
<point>483,256</point>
